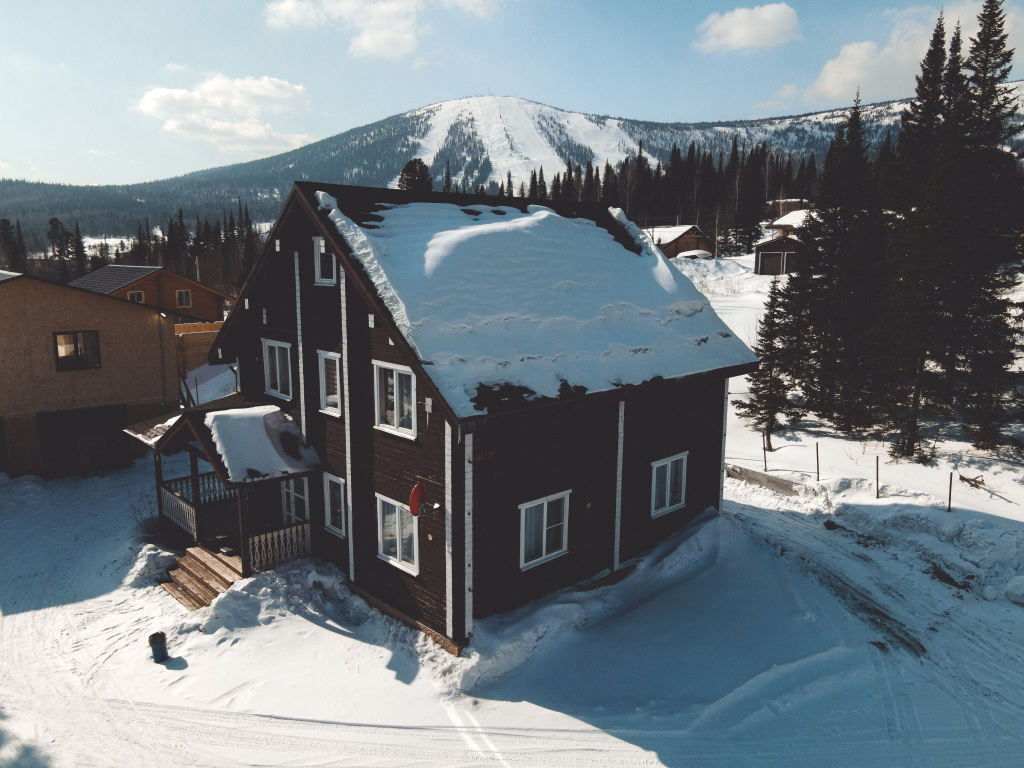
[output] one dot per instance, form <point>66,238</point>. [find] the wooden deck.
<point>201,575</point>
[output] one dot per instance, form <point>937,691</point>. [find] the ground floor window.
<point>398,535</point>
<point>335,507</point>
<point>668,485</point>
<point>295,501</point>
<point>544,529</point>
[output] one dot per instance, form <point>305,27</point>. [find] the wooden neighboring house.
<point>77,368</point>
<point>687,239</point>
<point>779,251</point>
<point>495,400</point>
<point>180,297</point>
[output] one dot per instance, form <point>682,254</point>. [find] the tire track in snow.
<point>977,666</point>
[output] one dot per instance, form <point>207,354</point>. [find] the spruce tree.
<point>415,177</point>
<point>993,103</point>
<point>8,246</point>
<point>770,385</point>
<point>447,177</point>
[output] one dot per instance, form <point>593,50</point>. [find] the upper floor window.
<point>184,298</point>
<point>277,369</point>
<point>395,396</point>
<point>135,296</point>
<point>668,484</point>
<point>397,535</point>
<point>77,350</point>
<point>544,529</point>
<point>325,263</point>
<point>330,382</point>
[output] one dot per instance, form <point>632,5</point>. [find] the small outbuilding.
<point>684,240</point>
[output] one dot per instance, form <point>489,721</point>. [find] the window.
<point>544,529</point>
<point>184,298</point>
<point>136,296</point>
<point>330,381</point>
<point>77,350</point>
<point>334,504</point>
<point>325,263</point>
<point>668,485</point>
<point>295,501</point>
<point>395,392</point>
<point>277,368</point>
<point>397,538</point>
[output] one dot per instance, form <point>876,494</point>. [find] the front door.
<point>295,502</point>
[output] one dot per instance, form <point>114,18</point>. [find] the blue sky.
<point>113,91</point>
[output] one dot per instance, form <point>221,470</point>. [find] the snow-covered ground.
<point>831,628</point>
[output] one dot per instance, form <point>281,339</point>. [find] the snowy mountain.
<point>481,139</point>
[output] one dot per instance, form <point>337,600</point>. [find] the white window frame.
<point>290,491</point>
<point>385,426</point>
<point>268,356</point>
<point>188,295</point>
<point>141,297</point>
<point>669,507</point>
<point>338,530</point>
<point>413,567</point>
<point>545,556</point>
<point>325,359</point>
<point>319,252</point>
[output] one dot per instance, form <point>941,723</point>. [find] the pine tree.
<point>21,250</point>
<point>770,385</point>
<point>542,187</point>
<point>447,177</point>
<point>79,250</point>
<point>415,177</point>
<point>8,246</point>
<point>993,104</point>
<point>532,192</point>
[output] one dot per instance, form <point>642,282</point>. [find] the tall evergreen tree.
<point>415,177</point>
<point>993,103</point>
<point>771,384</point>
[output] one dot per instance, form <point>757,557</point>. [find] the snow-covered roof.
<point>490,294</point>
<point>696,254</point>
<point>792,220</point>
<point>5,275</point>
<point>258,443</point>
<point>666,235</point>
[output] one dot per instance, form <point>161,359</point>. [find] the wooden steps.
<point>200,576</point>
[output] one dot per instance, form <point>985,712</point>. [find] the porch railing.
<point>178,505</point>
<point>178,510</point>
<point>268,550</point>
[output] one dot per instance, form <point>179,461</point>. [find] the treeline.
<point>725,195</point>
<point>219,254</point>
<point>899,312</point>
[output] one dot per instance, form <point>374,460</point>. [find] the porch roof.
<point>189,428</point>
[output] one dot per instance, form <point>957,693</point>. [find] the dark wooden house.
<point>504,399</point>
<point>686,238</point>
<point>186,300</point>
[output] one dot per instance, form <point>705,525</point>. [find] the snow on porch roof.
<point>489,294</point>
<point>259,443</point>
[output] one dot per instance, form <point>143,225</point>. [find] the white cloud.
<point>745,29</point>
<point>228,112</point>
<point>887,71</point>
<point>388,29</point>
<point>780,99</point>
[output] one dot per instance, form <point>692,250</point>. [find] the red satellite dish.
<point>417,498</point>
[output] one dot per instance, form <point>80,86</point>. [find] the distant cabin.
<point>686,239</point>
<point>463,402</point>
<point>185,299</point>
<point>779,251</point>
